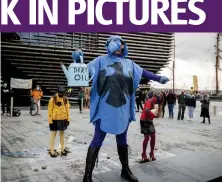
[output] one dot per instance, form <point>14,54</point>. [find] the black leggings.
<point>80,105</point>
<point>139,104</point>
<point>163,110</point>
<point>206,117</point>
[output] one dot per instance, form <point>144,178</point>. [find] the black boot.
<point>209,120</point>
<point>90,163</point>
<point>126,173</point>
<point>203,120</point>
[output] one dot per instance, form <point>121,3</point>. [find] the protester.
<point>205,106</point>
<point>5,98</point>
<point>148,129</point>
<point>112,101</point>
<point>164,103</point>
<point>144,93</point>
<point>171,101</point>
<point>81,99</point>
<point>86,99</point>
<point>139,99</point>
<point>160,101</point>
<point>69,92</point>
<point>59,119</point>
<point>37,94</point>
<point>182,105</point>
<point>191,104</point>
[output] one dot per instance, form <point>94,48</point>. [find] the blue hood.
<point>114,44</point>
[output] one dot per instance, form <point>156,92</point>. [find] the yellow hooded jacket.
<point>56,112</point>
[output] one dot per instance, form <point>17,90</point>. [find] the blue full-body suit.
<point>112,99</point>
<point>112,102</point>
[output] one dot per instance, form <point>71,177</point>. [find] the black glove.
<point>66,123</point>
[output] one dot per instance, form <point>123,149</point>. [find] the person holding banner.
<point>58,118</point>
<point>37,95</point>
<point>112,101</point>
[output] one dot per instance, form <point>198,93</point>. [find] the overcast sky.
<point>194,56</point>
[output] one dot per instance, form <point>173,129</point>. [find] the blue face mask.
<point>114,43</point>
<point>114,46</point>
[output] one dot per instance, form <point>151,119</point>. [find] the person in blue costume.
<point>112,101</point>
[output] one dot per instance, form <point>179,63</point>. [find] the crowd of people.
<point>168,98</point>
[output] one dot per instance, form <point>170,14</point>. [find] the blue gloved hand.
<point>163,80</point>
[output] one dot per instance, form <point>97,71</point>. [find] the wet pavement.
<point>25,142</point>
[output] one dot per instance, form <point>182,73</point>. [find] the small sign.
<point>77,75</point>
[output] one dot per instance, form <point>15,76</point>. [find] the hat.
<point>61,90</point>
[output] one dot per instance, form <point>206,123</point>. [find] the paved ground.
<point>25,142</point>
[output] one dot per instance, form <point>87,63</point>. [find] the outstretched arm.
<point>151,76</point>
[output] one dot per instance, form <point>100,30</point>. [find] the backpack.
<point>16,112</point>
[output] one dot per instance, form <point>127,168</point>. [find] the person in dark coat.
<point>171,101</point>
<point>164,103</point>
<point>191,105</point>
<point>139,96</point>
<point>5,98</point>
<point>205,106</point>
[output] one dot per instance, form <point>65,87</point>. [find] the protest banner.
<point>21,83</point>
<point>77,74</point>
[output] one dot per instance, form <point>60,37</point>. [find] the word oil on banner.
<point>116,15</point>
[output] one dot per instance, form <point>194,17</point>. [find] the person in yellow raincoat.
<point>59,119</point>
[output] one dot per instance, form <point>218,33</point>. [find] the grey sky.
<point>195,55</point>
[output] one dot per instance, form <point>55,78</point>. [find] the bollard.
<point>215,110</point>
<point>11,112</point>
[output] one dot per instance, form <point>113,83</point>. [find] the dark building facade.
<point>38,55</point>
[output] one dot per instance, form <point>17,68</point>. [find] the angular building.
<point>38,55</point>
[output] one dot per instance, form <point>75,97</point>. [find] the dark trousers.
<point>163,110</point>
<point>80,105</point>
<point>100,135</point>
<point>139,104</point>
<point>181,112</point>
<point>6,103</point>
